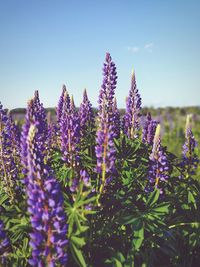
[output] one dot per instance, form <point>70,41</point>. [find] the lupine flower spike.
<point>86,116</point>
<point>35,113</point>
<point>70,132</point>
<point>45,205</point>
<point>133,107</point>
<point>105,150</point>
<point>190,159</point>
<point>8,153</point>
<point>159,167</point>
<point>149,129</point>
<point>116,119</point>
<point>59,109</point>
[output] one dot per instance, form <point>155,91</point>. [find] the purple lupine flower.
<point>82,177</point>
<point>5,246</point>
<point>40,115</point>
<point>8,168</point>
<point>86,115</point>
<point>158,165</point>
<point>15,132</point>
<point>107,91</point>
<point>35,113</point>
<point>45,205</point>
<point>116,119</point>
<point>59,109</point>
<point>70,133</point>
<point>149,130</point>
<point>105,150</point>
<point>52,137</point>
<point>190,159</point>
<point>85,178</point>
<point>133,107</point>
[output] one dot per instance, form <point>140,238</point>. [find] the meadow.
<point>100,187</point>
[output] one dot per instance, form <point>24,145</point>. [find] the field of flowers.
<point>99,189</point>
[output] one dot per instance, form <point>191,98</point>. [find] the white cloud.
<point>149,47</point>
<point>133,49</point>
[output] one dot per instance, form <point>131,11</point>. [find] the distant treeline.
<point>154,111</point>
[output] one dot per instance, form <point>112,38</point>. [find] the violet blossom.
<point>158,164</point>
<point>133,107</point>
<point>190,159</point>
<point>86,116</point>
<point>45,204</point>
<point>149,129</point>
<point>105,149</point>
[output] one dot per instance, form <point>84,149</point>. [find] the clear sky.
<point>47,43</point>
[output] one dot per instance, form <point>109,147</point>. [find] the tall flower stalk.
<point>86,116</point>
<point>149,130</point>
<point>45,204</point>
<point>70,132</point>
<point>59,109</point>
<point>158,165</point>
<point>105,150</point>
<point>190,159</point>
<point>133,107</point>
<point>8,154</point>
<point>116,119</point>
<point>35,113</point>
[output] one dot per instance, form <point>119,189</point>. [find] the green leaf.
<point>78,255</point>
<point>191,200</point>
<point>78,241</point>
<point>153,197</point>
<point>117,263</point>
<point>138,238</point>
<point>161,208</point>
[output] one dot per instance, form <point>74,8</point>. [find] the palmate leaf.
<point>153,197</point>
<point>128,151</point>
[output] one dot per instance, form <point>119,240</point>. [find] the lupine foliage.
<point>104,190</point>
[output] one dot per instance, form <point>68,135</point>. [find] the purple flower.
<point>86,116</point>
<point>35,113</point>
<point>105,149</point>
<point>158,164</point>
<point>107,91</point>
<point>70,132</point>
<point>5,246</point>
<point>45,205</point>
<point>85,178</point>
<point>189,159</point>
<point>133,107</point>
<point>149,129</point>
<point>116,119</point>
<point>9,155</point>
<point>59,109</point>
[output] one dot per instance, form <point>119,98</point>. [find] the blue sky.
<point>47,43</point>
